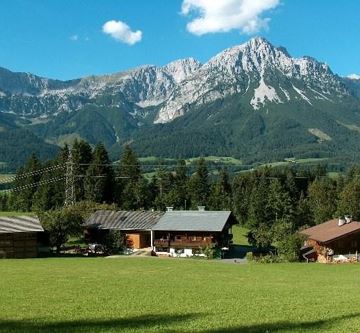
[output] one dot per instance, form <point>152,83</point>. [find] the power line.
<point>31,173</point>
<point>27,186</point>
<point>69,182</point>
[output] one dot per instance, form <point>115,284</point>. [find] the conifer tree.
<point>128,177</point>
<point>199,188</point>
<point>26,177</point>
<point>99,180</point>
<point>82,156</point>
<point>322,199</point>
<point>220,197</point>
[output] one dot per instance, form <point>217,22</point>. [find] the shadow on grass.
<point>159,322</point>
<point>238,251</point>
<point>162,323</point>
<point>285,326</point>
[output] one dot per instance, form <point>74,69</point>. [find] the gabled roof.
<point>330,230</point>
<point>13,224</point>
<point>182,220</point>
<point>123,220</point>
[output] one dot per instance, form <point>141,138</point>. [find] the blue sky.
<point>68,39</point>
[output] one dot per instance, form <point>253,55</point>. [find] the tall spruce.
<point>82,156</point>
<point>128,180</point>
<point>220,197</point>
<point>99,180</point>
<point>26,181</point>
<point>51,192</point>
<point>322,199</point>
<point>199,187</point>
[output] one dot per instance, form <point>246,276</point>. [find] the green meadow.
<point>127,294</point>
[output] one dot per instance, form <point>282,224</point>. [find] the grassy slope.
<point>240,235</point>
<point>172,295</point>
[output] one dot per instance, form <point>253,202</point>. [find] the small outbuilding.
<point>19,236</point>
<point>333,238</point>
<point>136,225</point>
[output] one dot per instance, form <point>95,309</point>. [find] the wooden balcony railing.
<point>182,243</point>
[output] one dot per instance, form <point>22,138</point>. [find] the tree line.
<point>271,202</point>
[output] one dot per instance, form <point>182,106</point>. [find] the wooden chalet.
<point>332,238</point>
<point>136,225</point>
<point>185,233</point>
<point>19,236</point>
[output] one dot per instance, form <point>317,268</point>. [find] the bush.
<point>114,242</point>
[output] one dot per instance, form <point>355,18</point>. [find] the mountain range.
<point>252,101</point>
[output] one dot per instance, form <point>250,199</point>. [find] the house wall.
<point>345,245</point>
<point>18,245</point>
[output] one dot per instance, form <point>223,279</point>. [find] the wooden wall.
<point>18,245</point>
<point>138,240</point>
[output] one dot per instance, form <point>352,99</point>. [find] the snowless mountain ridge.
<point>256,71</point>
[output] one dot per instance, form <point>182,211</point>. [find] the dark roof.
<point>124,220</point>
<point>330,230</point>
<point>182,220</point>
<point>12,224</point>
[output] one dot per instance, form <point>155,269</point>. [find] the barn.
<point>136,225</point>
<point>19,236</point>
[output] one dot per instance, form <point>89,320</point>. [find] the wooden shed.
<point>19,236</point>
<point>135,225</point>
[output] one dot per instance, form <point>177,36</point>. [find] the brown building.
<point>19,236</point>
<point>334,237</point>
<point>184,233</point>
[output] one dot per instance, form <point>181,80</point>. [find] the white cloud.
<point>121,32</point>
<point>74,38</point>
<point>210,16</point>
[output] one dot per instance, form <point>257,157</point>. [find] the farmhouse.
<point>334,237</point>
<point>173,232</point>
<point>185,233</point>
<point>19,236</point>
<point>136,225</point>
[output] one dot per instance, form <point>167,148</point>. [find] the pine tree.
<point>199,185</point>
<point>82,156</point>
<point>99,180</point>
<point>129,181</point>
<point>322,199</point>
<point>28,178</point>
<point>220,197</point>
<point>51,194</point>
<point>349,201</point>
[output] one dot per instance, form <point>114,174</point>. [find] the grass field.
<point>172,295</point>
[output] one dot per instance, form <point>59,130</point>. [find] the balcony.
<point>182,243</point>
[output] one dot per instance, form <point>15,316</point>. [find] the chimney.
<point>201,208</point>
<point>169,209</point>
<point>341,222</point>
<point>348,219</point>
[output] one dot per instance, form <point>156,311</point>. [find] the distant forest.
<point>270,202</point>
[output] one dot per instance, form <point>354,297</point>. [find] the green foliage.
<point>25,178</point>
<point>99,180</point>
<point>323,199</point>
<point>61,224</point>
<point>114,242</point>
<point>199,185</point>
<point>349,201</point>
